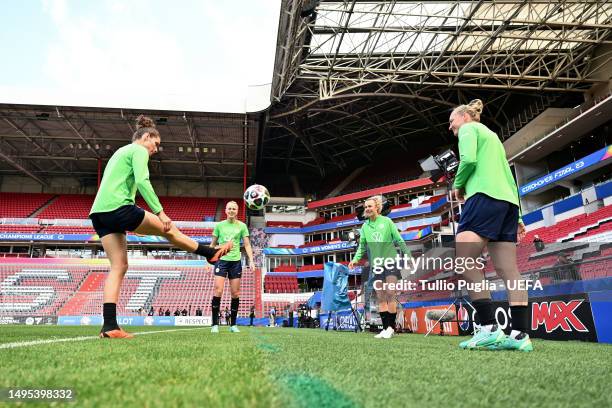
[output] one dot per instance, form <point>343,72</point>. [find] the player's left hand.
<point>166,221</point>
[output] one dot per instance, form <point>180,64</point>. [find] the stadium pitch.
<point>274,367</point>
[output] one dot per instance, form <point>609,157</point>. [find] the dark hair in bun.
<point>144,121</point>
<point>144,125</point>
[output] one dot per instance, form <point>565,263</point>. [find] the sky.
<point>194,55</point>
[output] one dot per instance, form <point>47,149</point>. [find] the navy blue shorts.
<point>494,219</point>
<point>125,218</point>
<point>228,269</point>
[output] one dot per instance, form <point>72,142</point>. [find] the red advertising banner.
<point>416,320</point>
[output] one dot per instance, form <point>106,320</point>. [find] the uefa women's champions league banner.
<point>336,246</point>
<point>18,236</point>
<point>397,213</point>
<point>575,167</point>
<point>309,250</point>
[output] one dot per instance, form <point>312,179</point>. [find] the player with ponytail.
<point>114,212</point>
<point>490,217</point>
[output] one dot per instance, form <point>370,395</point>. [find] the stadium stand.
<point>22,205</point>
<point>67,229</point>
<point>197,231</point>
<point>313,243</point>
<point>70,290</point>
<point>316,221</point>
<point>342,217</point>
<point>20,228</point>
<point>185,208</point>
<point>573,226</point>
<point>315,267</point>
<point>280,284</point>
<point>195,289</point>
<point>596,270</point>
<point>286,268</point>
<point>377,176</point>
<point>77,206</point>
<point>69,206</point>
<point>40,290</point>
<point>600,229</point>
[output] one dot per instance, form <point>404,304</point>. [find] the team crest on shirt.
<point>227,238</point>
<point>230,237</point>
<point>377,236</point>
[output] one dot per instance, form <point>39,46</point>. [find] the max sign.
<point>557,315</point>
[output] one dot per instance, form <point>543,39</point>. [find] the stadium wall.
<point>568,208</point>
<point>286,239</point>
<point>537,128</point>
<point>58,185</point>
<point>303,218</point>
<point>604,192</point>
<point>177,188</point>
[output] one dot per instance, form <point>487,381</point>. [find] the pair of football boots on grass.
<point>492,337</point>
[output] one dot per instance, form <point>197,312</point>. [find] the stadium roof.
<point>355,77</point>
<point>55,141</point>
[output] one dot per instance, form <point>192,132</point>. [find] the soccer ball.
<point>256,197</point>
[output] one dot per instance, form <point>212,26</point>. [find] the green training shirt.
<point>483,166</point>
<point>126,171</point>
<point>231,231</point>
<point>378,238</point>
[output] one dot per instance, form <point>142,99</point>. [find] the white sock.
<point>487,327</point>
<point>515,333</point>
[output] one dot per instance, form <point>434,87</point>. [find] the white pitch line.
<point>81,338</point>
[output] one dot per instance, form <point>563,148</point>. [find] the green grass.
<point>265,367</point>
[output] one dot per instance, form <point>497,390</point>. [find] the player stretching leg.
<point>114,212</point>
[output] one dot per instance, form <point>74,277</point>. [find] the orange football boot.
<point>116,334</point>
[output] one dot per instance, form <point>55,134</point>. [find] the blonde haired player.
<point>379,235</point>
<point>490,217</point>
<point>229,266</point>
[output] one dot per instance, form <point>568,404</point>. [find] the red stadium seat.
<point>22,205</point>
